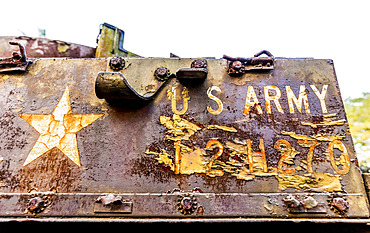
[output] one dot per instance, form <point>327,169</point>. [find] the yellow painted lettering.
<point>171,94</point>
<point>311,145</point>
<point>275,98</point>
<point>251,95</point>
<point>261,162</point>
<point>214,98</point>
<point>302,98</point>
<point>343,160</point>
<point>321,96</point>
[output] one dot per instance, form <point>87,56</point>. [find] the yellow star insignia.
<point>58,130</point>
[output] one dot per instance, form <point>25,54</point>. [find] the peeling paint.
<point>222,127</point>
<point>318,137</point>
<point>317,182</point>
<point>179,128</point>
<point>326,121</point>
<point>58,130</point>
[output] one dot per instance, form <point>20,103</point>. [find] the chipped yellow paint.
<point>164,158</point>
<point>222,127</point>
<point>171,94</point>
<point>251,95</point>
<point>58,130</point>
<point>194,162</point>
<point>243,163</point>
<point>317,182</point>
<point>179,128</point>
<point>318,137</point>
<point>311,145</point>
<point>342,161</point>
<point>288,153</point>
<point>62,47</point>
<point>326,121</point>
<point>296,136</point>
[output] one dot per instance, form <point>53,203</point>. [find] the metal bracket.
<point>241,65</point>
<point>112,204</point>
<point>194,75</point>
<point>115,86</point>
<point>18,61</point>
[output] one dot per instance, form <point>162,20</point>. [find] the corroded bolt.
<point>35,204</point>
<point>161,73</point>
<point>291,201</point>
<point>198,64</point>
<point>187,203</point>
<point>117,63</point>
<point>309,203</point>
<point>340,204</point>
<point>236,65</point>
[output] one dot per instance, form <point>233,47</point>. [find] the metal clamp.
<point>240,65</point>
<point>194,75</point>
<point>112,204</point>
<point>18,61</point>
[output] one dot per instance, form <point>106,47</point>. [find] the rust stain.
<point>245,163</point>
<point>58,130</point>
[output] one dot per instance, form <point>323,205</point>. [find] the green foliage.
<point>358,110</point>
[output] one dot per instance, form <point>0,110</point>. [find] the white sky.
<point>338,30</point>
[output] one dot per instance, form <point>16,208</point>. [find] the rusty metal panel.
<point>177,138</point>
<point>42,47</point>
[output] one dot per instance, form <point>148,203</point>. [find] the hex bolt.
<point>187,203</point>
<point>162,73</point>
<point>198,64</point>
<point>340,204</point>
<point>36,204</point>
<point>117,63</point>
<point>309,203</point>
<point>291,202</point>
<point>236,65</point>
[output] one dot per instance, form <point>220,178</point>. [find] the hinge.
<point>241,65</point>
<point>18,61</point>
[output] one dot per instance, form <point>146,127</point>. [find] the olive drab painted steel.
<point>186,141</point>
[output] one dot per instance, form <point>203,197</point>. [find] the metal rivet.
<point>36,204</point>
<point>291,202</point>
<point>117,63</point>
<point>340,204</point>
<point>162,73</point>
<point>198,64</point>
<point>187,204</point>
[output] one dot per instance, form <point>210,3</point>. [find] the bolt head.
<point>340,204</point>
<point>199,64</point>
<point>237,65</point>
<point>35,204</point>
<point>291,202</point>
<point>309,203</point>
<point>187,203</point>
<point>117,63</point>
<point>161,73</point>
